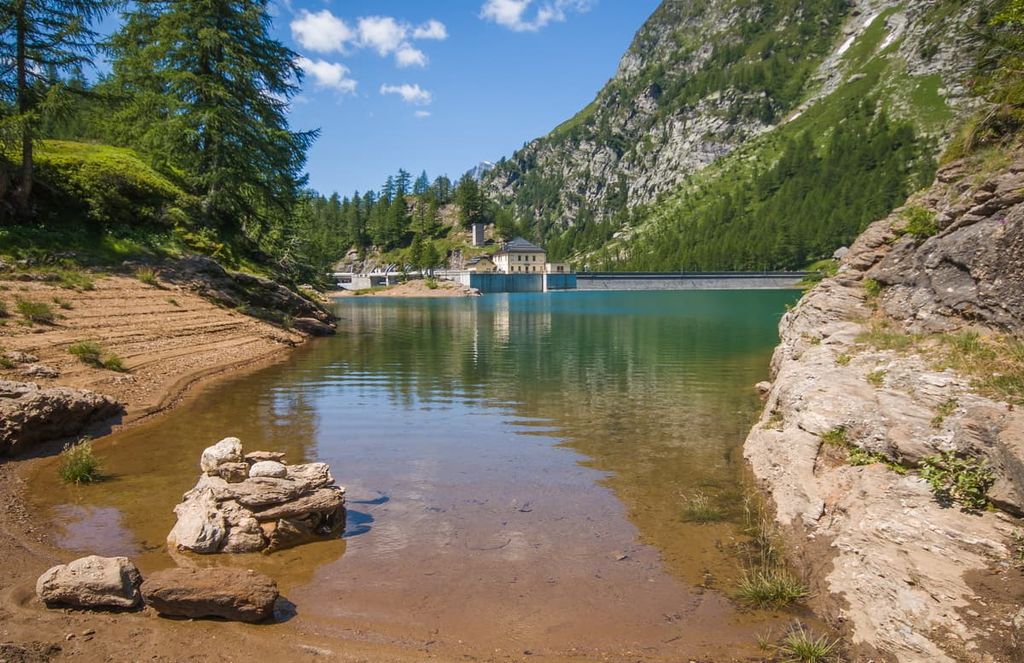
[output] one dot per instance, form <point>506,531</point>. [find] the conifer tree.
<point>207,89</point>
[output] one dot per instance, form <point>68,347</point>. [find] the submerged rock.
<point>30,414</point>
<point>238,508</point>
<point>234,594</point>
<point>91,582</point>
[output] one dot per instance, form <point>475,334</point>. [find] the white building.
<point>520,257</point>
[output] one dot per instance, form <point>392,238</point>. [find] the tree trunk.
<point>24,191</point>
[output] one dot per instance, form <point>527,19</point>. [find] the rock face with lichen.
<point>255,502</point>
<point>863,393</point>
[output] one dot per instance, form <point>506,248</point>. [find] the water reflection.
<point>505,456</point>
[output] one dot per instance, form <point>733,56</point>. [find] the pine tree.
<point>207,91</point>
<point>402,181</point>
<point>472,206</point>
<point>39,40</point>
<point>421,185</point>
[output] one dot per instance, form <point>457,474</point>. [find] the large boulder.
<point>91,582</point>
<point>234,594</point>
<point>30,414</point>
<point>314,327</point>
<point>257,505</point>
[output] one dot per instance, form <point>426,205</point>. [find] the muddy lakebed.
<point>517,468</point>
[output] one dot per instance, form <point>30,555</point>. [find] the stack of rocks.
<point>255,502</point>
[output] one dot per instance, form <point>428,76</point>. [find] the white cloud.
<point>381,33</point>
<point>407,56</point>
<point>512,14</point>
<point>411,94</point>
<point>332,75</point>
<point>430,30</point>
<point>322,32</point>
<point>422,113</point>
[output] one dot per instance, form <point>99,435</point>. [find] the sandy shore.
<point>169,340</point>
<point>416,288</point>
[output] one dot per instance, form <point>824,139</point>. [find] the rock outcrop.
<point>93,583</point>
<point>254,502</point>
<point>858,400</point>
<point>263,298</point>
<point>234,594</point>
<point>30,414</point>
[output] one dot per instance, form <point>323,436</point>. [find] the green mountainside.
<point>750,135</point>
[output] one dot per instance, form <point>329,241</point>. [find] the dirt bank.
<point>904,367</point>
<point>168,339</point>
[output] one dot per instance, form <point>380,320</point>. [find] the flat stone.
<point>268,468</point>
<point>257,456</point>
<point>233,594</point>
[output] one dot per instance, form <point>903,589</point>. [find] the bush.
<point>872,288</point>
<point>113,184</point>
<point>88,352</point>
<point>113,363</point>
<point>800,646</point>
<point>3,309</point>
<point>960,479</point>
<point>431,283</point>
<point>78,464</point>
<point>38,312</point>
<point>770,587</point>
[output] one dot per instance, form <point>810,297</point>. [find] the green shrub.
<point>843,359</point>
<point>919,222</point>
<point>877,377</point>
<point>78,464</point>
<point>431,282</point>
<point>943,411</point>
<point>835,437</point>
<point>92,354</point>
<point>63,303</point>
<point>3,309</point>
<point>960,479</point>
<point>38,312</point>
<point>800,646</point>
<point>770,587</point>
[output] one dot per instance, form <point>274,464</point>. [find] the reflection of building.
<point>481,264</point>
<point>520,257</point>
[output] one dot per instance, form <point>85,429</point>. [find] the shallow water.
<point>516,467</point>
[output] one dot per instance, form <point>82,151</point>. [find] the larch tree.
<point>39,41</point>
<point>206,90</point>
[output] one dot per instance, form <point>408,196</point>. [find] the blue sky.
<point>442,85</point>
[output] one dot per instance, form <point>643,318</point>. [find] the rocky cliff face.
<point>705,77</point>
<point>892,410</point>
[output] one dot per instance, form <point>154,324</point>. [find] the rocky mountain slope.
<point>726,84</point>
<point>892,440</point>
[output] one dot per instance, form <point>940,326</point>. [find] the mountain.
<point>740,135</point>
<point>479,171</point>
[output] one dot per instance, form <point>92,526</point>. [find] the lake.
<point>517,469</point>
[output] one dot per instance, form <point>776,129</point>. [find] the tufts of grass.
<point>63,303</point>
<point>770,587</point>
<point>78,464</point>
<point>775,421</point>
<point>959,479</point>
<point>5,361</point>
<point>872,289</point>
<point>430,282</point>
<point>835,437</point>
<point>3,309</point>
<point>148,276</point>
<point>858,457</point>
<point>173,302</point>
<point>881,336</point>
<point>877,377</point>
<point>919,222</point>
<point>943,411</point>
<point>92,354</point>
<point>699,508</point>
<point>801,646</point>
<point>36,312</point>
<point>844,359</point>
<point>72,279</point>
<point>996,362</point>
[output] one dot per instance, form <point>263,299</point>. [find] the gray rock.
<point>21,357</point>
<point>268,468</point>
<point>257,456</point>
<point>200,527</point>
<point>30,414</point>
<point>313,327</point>
<point>91,582</point>
<point>40,371</point>
<point>227,593</point>
<point>228,450</point>
<point>233,472</point>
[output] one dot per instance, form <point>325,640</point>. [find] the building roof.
<point>520,245</point>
